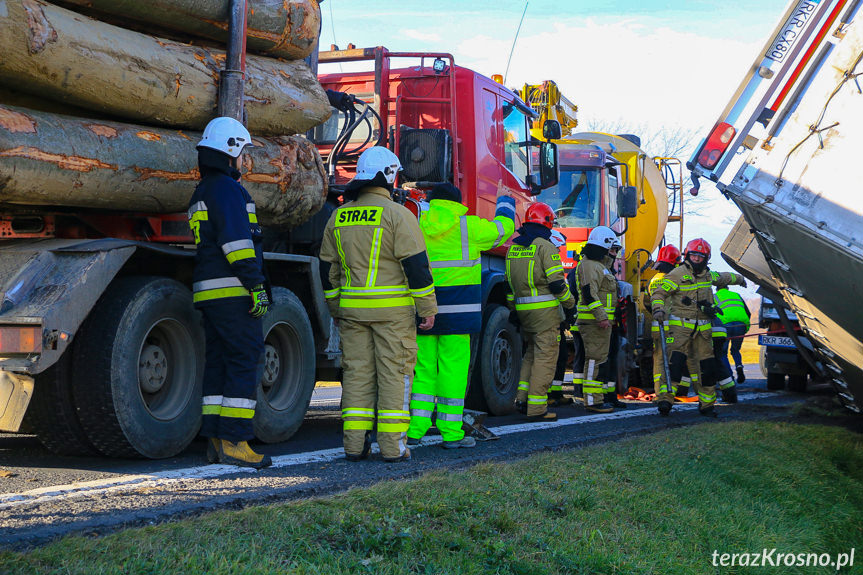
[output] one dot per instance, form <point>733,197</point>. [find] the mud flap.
<point>472,423</point>
<point>15,393</point>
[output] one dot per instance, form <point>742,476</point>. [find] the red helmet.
<point>698,246</point>
<point>539,213</point>
<point>668,254</point>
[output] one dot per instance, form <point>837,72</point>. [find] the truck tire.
<point>797,383</point>
<point>762,360</point>
<point>496,369</point>
<point>775,380</point>
<point>288,369</point>
<point>140,358</point>
<point>51,414</point>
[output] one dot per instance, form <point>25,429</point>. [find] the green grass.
<point>656,504</point>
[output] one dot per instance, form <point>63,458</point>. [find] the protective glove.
<point>569,316</point>
<point>741,281</point>
<point>260,301</point>
<point>659,316</point>
<point>707,308</point>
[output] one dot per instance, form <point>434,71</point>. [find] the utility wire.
<point>333,28</point>
<point>505,74</point>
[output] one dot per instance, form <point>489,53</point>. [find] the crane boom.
<point>550,104</point>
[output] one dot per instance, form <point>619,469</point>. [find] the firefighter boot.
<point>466,441</point>
<point>406,456</point>
<point>682,391</point>
<point>730,395</point>
<point>709,411</point>
<point>740,377</point>
<point>367,447</point>
<point>241,454</point>
<point>601,408</point>
<point>664,408</point>
<point>557,401</point>
<point>521,407</point>
<point>547,416</point>
<point>213,450</point>
<point>612,400</point>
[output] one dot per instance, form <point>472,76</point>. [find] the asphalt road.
<point>43,496</point>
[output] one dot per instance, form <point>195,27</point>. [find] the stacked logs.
<point>95,115</point>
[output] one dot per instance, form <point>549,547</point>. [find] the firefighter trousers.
<point>378,360</point>
<point>597,342</point>
<point>688,348</point>
<point>440,382</point>
<point>234,348</point>
<point>688,377</point>
<point>537,369</point>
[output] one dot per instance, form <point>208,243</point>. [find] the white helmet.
<point>226,135</point>
<point>602,236</point>
<point>378,159</point>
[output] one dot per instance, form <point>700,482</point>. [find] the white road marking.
<point>163,478</point>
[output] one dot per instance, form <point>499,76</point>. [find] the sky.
<point>657,65</point>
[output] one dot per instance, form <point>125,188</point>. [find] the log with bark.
<point>54,160</point>
<point>276,28</point>
<point>58,54</point>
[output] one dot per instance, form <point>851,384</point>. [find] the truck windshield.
<point>575,199</point>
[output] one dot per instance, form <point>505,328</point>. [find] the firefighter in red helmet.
<point>539,295</point>
<point>684,298</point>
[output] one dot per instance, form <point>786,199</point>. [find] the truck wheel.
<point>51,414</point>
<point>496,368</point>
<point>762,361</point>
<point>797,383</point>
<point>288,371</point>
<point>140,360</point>
<point>775,381</point>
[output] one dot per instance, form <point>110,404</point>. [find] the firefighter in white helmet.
<point>376,277</point>
<point>230,291</point>
<point>597,300</point>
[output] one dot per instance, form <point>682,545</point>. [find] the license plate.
<point>776,341</point>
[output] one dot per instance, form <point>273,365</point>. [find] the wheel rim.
<point>283,366</point>
<point>166,369</point>
<point>502,360</point>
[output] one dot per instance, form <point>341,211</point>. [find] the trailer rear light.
<point>20,339</point>
<point>716,145</point>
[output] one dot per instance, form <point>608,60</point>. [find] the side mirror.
<point>549,173</point>
<point>627,201</point>
<point>551,130</point>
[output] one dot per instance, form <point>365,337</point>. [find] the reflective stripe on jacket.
<point>229,258</point>
<point>454,242</point>
<point>370,243</point>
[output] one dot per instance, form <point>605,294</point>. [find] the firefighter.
<point>376,278</point>
<point>667,259</point>
<point>539,289</point>
<point>229,290</point>
<point>685,298</point>
<point>597,300</point>
<point>454,242</point>
<point>724,380</point>
<point>577,343</point>
<point>735,317</point>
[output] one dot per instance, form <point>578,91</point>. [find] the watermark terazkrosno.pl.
<point>776,558</point>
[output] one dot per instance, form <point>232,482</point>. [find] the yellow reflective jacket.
<point>538,286</point>
<point>377,261</point>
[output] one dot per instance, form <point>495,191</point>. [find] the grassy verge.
<point>657,504</point>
